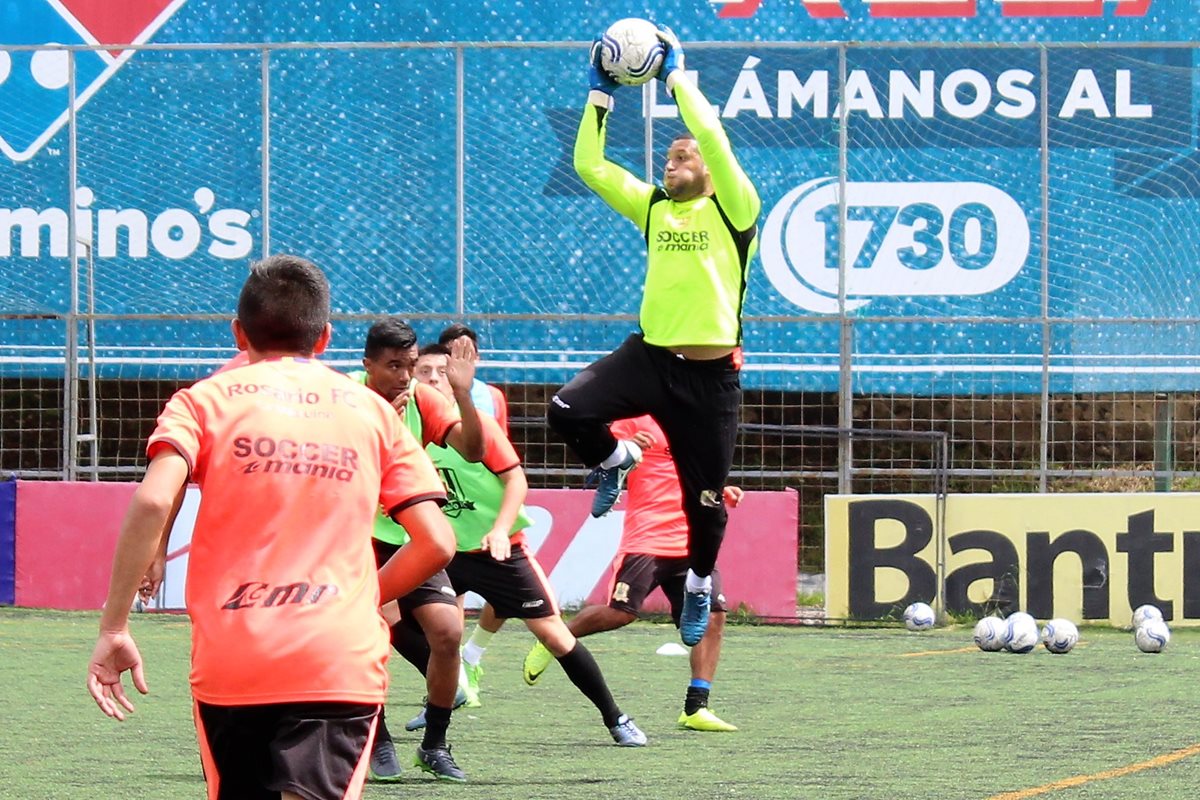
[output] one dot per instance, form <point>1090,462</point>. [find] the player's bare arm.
<point>153,578</point>
<point>516,488</point>
<point>644,439</point>
<point>141,532</point>
<point>467,436</point>
<point>429,548</point>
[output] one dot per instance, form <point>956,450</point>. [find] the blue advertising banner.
<point>1023,187</point>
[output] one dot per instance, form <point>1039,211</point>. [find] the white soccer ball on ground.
<point>919,617</point>
<point>1145,613</point>
<point>630,51</point>
<point>1060,635</point>
<point>1152,637</point>
<point>1021,634</point>
<point>989,634</point>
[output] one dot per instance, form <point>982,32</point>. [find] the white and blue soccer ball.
<point>631,52</point>
<point>1152,637</point>
<point>919,617</point>
<point>1060,635</point>
<point>990,633</point>
<point>1021,634</point>
<point>1145,613</point>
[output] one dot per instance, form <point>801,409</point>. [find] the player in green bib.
<point>485,507</point>
<point>429,632</point>
<point>682,367</point>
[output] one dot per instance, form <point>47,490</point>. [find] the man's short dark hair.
<point>284,305</point>
<point>392,333</point>
<point>455,331</point>
<point>685,135</point>
<point>434,349</point>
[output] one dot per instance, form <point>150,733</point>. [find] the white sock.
<point>472,653</point>
<point>481,637</point>
<point>617,456</point>
<point>697,584</point>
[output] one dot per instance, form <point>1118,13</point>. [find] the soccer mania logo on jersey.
<point>907,9</point>
<point>35,83</point>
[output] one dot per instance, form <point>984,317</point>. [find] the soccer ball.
<point>1152,637</point>
<point>1144,614</point>
<point>1060,635</point>
<point>919,617</point>
<point>989,634</point>
<point>1021,634</point>
<point>631,52</point>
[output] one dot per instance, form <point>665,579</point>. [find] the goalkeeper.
<point>682,366</point>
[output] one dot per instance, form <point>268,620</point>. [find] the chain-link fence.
<point>976,272</point>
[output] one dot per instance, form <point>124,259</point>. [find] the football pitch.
<point>824,714</point>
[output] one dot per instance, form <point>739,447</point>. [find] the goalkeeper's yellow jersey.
<point>697,252</point>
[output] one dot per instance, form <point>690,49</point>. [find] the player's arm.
<point>516,488</point>
<point>617,186</point>
<point>153,578</point>
<point>467,436</point>
<point>732,186</point>
<point>430,547</point>
<point>142,530</point>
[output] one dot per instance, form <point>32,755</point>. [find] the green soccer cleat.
<point>472,673</point>
<point>536,661</point>
<point>704,720</point>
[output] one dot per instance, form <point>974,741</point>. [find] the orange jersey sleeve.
<point>293,462</point>
<point>654,522</point>
<point>499,455</point>
<point>438,414</point>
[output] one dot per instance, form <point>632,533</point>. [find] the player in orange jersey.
<point>289,652</point>
<point>653,552</point>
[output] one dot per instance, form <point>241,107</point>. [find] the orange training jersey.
<point>654,521</point>
<point>293,462</point>
<point>438,414</point>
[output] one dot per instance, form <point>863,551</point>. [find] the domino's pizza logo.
<point>34,83</point>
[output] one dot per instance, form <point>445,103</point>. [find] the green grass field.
<point>824,714</point>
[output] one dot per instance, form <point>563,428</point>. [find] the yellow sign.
<point>1085,557</point>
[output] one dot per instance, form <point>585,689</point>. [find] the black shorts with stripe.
<point>516,587</point>
<point>435,589</point>
<point>318,751</point>
<point>636,575</point>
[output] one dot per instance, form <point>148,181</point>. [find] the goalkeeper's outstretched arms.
<point>731,185</point>
<point>618,187</point>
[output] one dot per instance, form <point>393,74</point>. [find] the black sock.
<point>585,673</point>
<point>697,698</point>
<point>437,720</point>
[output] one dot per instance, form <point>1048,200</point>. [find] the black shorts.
<point>316,750</point>
<point>435,589</point>
<point>516,587</point>
<point>636,575</point>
